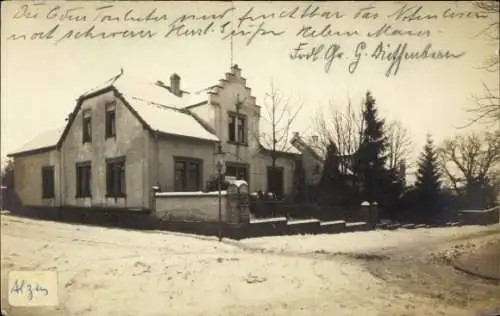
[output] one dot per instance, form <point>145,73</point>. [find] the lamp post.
<point>219,164</point>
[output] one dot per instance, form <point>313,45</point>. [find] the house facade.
<point>127,136</point>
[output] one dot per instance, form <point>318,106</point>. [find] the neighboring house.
<point>312,162</point>
<point>126,136</point>
<point>313,159</point>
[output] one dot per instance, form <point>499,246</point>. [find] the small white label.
<point>33,288</point>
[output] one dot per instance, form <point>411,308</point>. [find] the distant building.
<point>312,161</point>
<point>126,136</point>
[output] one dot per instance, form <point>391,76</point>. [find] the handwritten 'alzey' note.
<point>33,288</point>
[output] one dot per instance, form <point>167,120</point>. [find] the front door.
<point>275,181</point>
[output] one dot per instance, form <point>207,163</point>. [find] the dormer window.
<point>237,128</point>
<point>110,120</point>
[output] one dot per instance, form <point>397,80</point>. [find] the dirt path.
<point>483,263</point>
<point>428,271</point>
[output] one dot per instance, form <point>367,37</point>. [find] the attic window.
<point>87,127</point>
<point>110,120</point>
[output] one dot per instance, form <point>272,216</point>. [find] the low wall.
<point>267,227</point>
<point>480,217</point>
<point>120,218</point>
<point>305,226</point>
<point>228,230</point>
<point>356,227</point>
<point>147,220</point>
<point>190,206</point>
<point>334,227</point>
<point>281,226</point>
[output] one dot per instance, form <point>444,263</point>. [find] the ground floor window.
<point>188,174</point>
<point>48,188</point>
<point>83,179</point>
<point>115,177</point>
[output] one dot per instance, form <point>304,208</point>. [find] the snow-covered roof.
<point>158,106</point>
<point>299,145</point>
<point>154,91</point>
<point>289,150</point>
<point>169,120</point>
<point>44,140</point>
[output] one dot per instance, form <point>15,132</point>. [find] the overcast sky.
<point>41,79</point>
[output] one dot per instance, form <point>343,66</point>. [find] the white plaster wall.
<point>132,141</point>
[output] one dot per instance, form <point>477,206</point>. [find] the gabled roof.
<point>301,145</point>
<point>154,105</point>
<point>346,161</point>
<point>43,142</point>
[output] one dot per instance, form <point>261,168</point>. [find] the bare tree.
<point>470,159</point>
<point>487,107</point>
<point>343,127</point>
<point>400,146</point>
<point>278,115</point>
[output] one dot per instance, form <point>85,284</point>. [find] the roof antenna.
<point>232,34</point>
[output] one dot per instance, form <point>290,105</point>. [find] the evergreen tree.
<point>328,184</point>
<point>333,189</point>
<point>428,184</point>
<point>370,158</point>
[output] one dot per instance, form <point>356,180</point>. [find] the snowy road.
<point>119,272</point>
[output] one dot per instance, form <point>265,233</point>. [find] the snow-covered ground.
<point>124,272</point>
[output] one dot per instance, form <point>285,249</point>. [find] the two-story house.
<point>127,135</point>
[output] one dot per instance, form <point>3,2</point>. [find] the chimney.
<point>175,84</point>
<point>236,71</point>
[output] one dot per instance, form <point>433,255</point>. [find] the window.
<point>48,190</point>
<point>87,127</point>
<point>83,179</point>
<point>115,177</point>
<point>188,175</point>
<point>110,120</point>
<point>231,127</point>
<point>239,171</point>
<point>241,130</point>
<point>317,169</point>
<point>237,127</point>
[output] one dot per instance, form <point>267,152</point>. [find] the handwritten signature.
<point>23,287</point>
<point>327,53</point>
<point>385,52</point>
